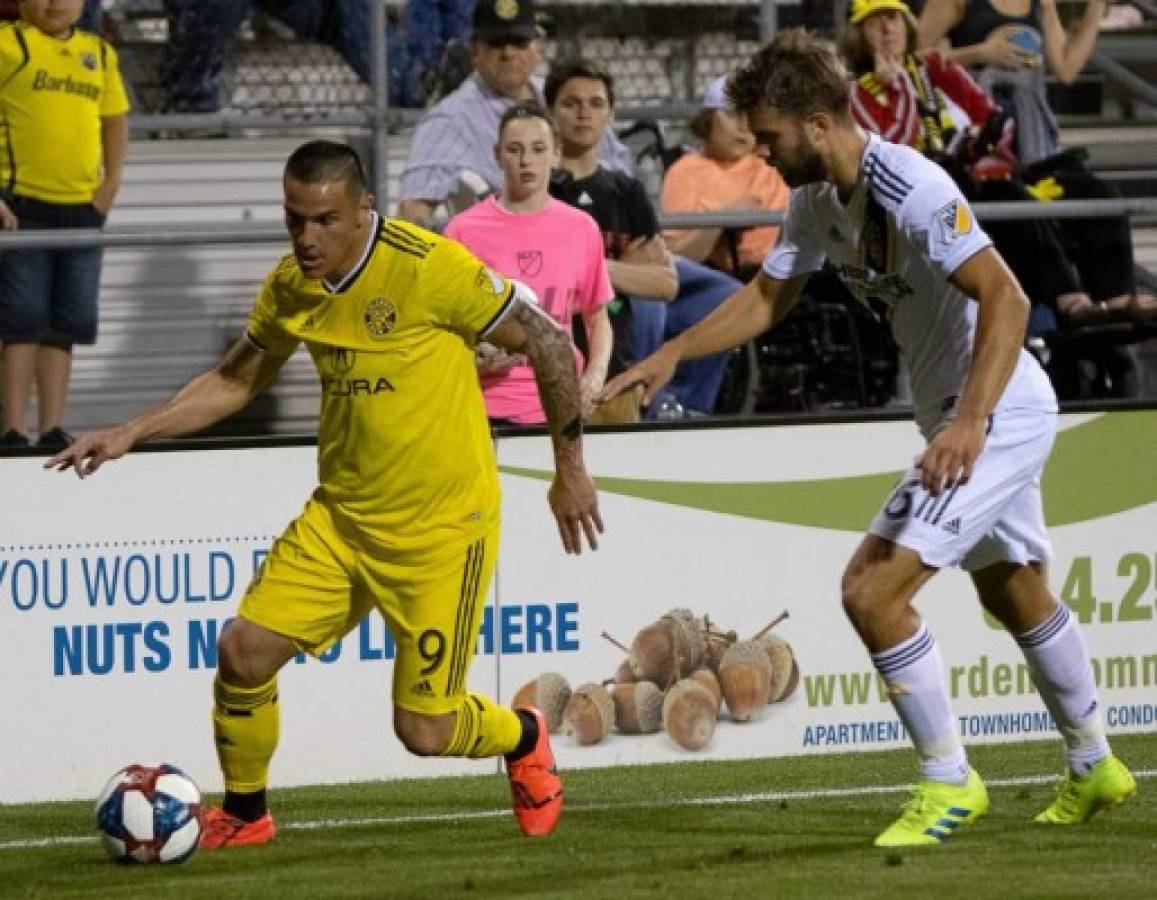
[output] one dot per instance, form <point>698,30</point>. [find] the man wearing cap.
<point>725,175</point>
<point>457,135</point>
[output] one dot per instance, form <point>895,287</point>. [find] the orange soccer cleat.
<point>535,788</point>
<point>219,829</point>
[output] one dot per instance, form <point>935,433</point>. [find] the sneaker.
<point>535,788</point>
<point>935,811</point>
<point>55,439</point>
<point>1079,798</point>
<point>13,440</point>
<point>219,829</point>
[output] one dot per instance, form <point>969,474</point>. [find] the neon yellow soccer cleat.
<point>1109,784</point>
<point>935,811</point>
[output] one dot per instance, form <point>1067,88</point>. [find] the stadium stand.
<point>167,312</point>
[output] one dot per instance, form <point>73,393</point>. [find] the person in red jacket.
<point>927,101</point>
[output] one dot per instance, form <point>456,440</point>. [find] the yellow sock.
<point>483,728</point>
<point>246,724</point>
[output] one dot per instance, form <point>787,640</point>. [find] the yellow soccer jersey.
<point>404,449</point>
<point>53,94</point>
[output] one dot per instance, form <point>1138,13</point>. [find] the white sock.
<point>1059,661</point>
<point>914,672</point>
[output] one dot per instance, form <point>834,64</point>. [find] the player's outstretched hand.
<point>575,505</point>
<point>652,373</point>
<point>90,451</point>
<point>948,460</point>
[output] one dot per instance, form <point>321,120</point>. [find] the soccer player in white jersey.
<point>905,242</point>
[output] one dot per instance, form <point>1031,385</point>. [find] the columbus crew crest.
<point>381,317</point>
<point>506,9</point>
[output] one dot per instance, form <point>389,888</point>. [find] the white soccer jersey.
<point>903,232</point>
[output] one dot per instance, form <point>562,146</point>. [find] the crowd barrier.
<point>269,232</point>
<point>113,590</point>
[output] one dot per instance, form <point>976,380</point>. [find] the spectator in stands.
<point>1081,268</point>
<point>202,34</point>
<point>725,175</point>
<point>64,105</point>
<point>451,155</point>
<point>658,295</point>
<point>557,250</point>
<point>430,26</point>
<point>1009,45</point>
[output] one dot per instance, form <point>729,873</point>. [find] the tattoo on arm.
<point>549,350</point>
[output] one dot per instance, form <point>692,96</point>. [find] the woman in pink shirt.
<point>554,248</point>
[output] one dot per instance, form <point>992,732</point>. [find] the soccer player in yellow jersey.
<point>405,516</point>
<point>62,148</point>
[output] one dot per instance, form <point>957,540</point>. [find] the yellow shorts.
<point>317,584</point>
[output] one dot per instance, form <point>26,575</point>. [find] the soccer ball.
<point>149,814</point>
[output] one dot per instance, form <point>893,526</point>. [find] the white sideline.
<point>722,800</point>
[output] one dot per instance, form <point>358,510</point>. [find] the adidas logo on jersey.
<point>423,688</point>
<point>585,199</point>
<point>952,526</point>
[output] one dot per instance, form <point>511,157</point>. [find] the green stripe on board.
<point>1098,468</point>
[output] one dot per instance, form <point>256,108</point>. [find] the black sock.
<point>529,736</point>
<point>246,807</point>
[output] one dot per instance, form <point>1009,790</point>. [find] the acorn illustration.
<point>745,677</point>
<point>689,714</point>
<point>589,714</point>
<point>638,707</point>
<point>667,649</point>
<point>710,680</point>
<point>549,693</point>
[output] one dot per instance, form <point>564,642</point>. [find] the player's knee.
<point>861,600</point>
<point>241,662</point>
<point>423,735</point>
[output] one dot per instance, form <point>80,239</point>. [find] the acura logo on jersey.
<point>529,262</point>
<point>355,387</point>
<point>381,316</point>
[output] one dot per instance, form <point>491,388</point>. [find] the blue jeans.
<point>430,25</point>
<point>49,296</point>
<point>201,35</point>
<point>701,290</point>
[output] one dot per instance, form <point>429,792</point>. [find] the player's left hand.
<point>951,454</point>
<point>575,505</point>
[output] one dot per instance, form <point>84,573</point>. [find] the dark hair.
<point>563,71</point>
<point>320,162</point>
<point>701,124</point>
<point>798,73</point>
<point>527,109</point>
<point>856,51</point>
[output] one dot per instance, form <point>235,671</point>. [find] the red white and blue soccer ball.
<point>149,814</point>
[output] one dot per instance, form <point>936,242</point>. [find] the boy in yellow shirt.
<point>64,106</point>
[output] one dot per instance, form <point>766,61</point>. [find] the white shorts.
<point>997,516</point>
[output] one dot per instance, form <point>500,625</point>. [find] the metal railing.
<point>272,232</point>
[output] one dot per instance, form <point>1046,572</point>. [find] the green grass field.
<point>759,828</point>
